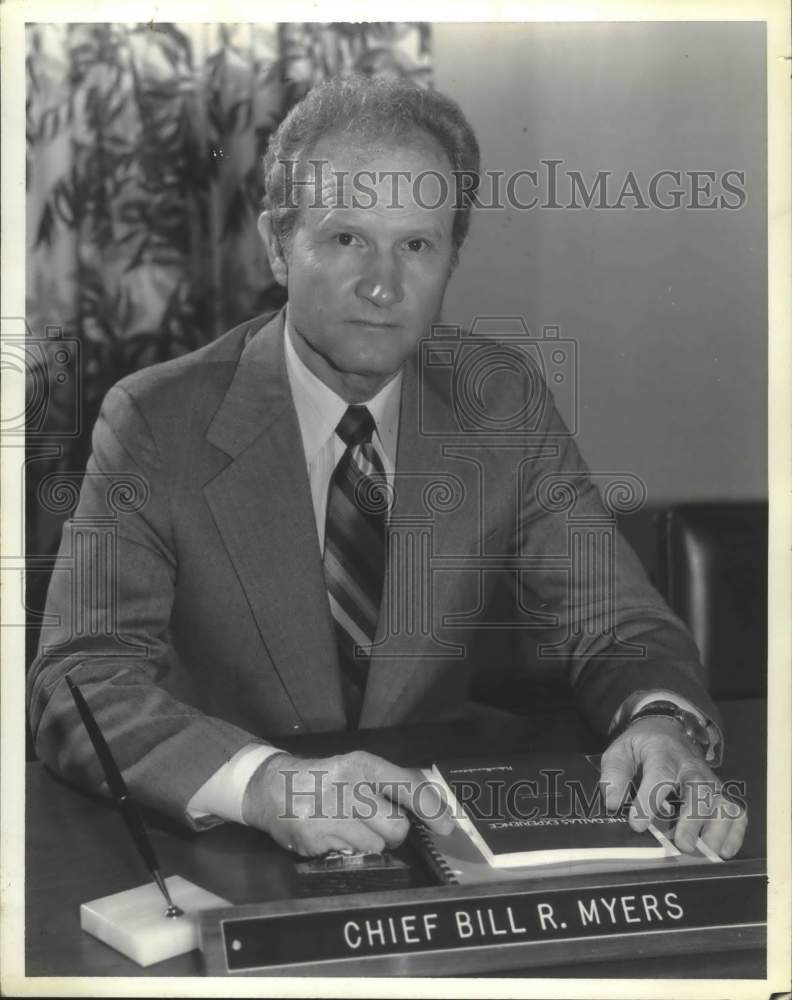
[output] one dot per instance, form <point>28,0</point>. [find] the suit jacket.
<point>189,600</point>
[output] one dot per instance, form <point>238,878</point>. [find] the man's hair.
<point>369,110</point>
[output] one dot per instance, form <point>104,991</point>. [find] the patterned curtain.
<point>144,144</point>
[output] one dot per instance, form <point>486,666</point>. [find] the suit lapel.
<point>262,506</point>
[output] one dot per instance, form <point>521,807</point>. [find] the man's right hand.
<point>355,801</point>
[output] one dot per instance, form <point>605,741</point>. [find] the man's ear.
<point>275,254</point>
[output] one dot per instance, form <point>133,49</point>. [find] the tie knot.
<point>356,426</point>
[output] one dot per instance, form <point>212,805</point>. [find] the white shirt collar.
<point>319,408</point>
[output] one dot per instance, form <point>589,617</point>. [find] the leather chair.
<point>712,570</point>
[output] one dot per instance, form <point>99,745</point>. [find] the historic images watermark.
<point>549,799</point>
<point>51,366</point>
<point>551,185</point>
<point>498,408</point>
<point>512,393</point>
<point>52,415</point>
<point>47,367</point>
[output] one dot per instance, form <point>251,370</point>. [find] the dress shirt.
<point>319,409</point>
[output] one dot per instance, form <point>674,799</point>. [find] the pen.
<point>118,790</point>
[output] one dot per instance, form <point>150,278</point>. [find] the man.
<point>281,472</point>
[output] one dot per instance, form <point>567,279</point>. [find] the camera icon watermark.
<point>500,379</point>
<point>51,366</point>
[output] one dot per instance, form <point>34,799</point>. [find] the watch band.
<point>695,730</point>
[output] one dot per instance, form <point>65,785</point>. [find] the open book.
<point>538,810</point>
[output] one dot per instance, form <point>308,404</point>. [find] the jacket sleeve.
<point>597,615</point>
<point>106,624</point>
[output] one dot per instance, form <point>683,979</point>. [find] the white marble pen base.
<point>134,922</point>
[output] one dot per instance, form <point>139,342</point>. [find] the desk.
<point>77,849</point>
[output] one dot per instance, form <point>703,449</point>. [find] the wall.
<point>668,307</point>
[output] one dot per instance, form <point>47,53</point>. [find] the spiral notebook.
<point>456,859</point>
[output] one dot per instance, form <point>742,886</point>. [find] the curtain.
<point>144,144</point>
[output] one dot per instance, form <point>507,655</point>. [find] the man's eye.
<point>417,245</point>
<point>345,239</point>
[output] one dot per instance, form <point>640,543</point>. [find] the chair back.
<point>712,570</point>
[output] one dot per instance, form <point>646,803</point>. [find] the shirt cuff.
<point>221,796</point>
<point>641,699</point>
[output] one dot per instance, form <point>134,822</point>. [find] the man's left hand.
<point>668,761</point>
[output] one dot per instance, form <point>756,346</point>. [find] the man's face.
<point>366,280</point>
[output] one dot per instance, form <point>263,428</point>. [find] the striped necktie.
<point>354,556</point>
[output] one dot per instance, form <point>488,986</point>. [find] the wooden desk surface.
<point>77,848</point>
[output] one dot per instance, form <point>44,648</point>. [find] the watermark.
<point>51,366</point>
<point>549,799</point>
<point>496,407</point>
<point>551,185</point>
<point>500,379</point>
<point>92,505</point>
<point>508,407</point>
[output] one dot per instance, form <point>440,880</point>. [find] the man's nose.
<point>382,283</point>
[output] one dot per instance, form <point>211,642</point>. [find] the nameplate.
<point>376,931</point>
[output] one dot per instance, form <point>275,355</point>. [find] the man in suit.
<point>235,569</point>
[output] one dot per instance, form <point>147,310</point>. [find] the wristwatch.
<point>703,736</point>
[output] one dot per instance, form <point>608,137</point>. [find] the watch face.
<point>692,734</point>
<point>694,730</point>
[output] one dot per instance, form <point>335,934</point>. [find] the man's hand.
<point>355,801</point>
<point>669,761</point>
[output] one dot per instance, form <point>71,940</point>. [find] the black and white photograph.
<point>395,500</point>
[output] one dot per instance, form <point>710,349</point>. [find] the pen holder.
<point>134,922</point>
